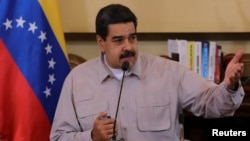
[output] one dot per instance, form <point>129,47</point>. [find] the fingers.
<point>233,74</point>
<point>103,127</point>
<point>237,70</point>
<point>234,70</point>
<point>237,56</point>
<point>235,78</point>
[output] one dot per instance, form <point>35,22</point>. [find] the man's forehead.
<point>121,28</point>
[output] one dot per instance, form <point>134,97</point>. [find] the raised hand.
<point>234,71</point>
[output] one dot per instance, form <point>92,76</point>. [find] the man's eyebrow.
<point>120,37</point>
<point>117,37</point>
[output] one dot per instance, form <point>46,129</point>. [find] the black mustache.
<point>127,54</point>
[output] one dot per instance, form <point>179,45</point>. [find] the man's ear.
<point>100,42</point>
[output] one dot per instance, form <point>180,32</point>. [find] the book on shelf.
<point>173,49</point>
<point>183,52</point>
<point>177,50</point>
<point>197,57</point>
<point>203,57</point>
<point>211,61</point>
<point>218,64</point>
<point>190,55</point>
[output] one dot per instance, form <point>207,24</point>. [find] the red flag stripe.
<point>18,121</point>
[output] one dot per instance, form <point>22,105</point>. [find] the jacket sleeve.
<point>207,99</point>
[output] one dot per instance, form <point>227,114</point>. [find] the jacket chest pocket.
<point>88,111</point>
<point>153,112</point>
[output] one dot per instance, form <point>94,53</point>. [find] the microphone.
<point>125,66</point>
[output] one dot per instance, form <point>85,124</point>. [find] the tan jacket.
<point>155,91</point>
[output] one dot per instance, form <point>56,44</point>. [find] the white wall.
<point>164,15</point>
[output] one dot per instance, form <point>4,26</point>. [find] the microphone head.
<point>125,66</point>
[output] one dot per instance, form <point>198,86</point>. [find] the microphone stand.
<point>125,67</point>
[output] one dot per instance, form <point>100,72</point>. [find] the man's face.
<point>120,44</point>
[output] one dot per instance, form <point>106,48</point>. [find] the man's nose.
<point>127,45</point>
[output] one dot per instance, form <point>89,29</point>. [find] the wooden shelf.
<point>227,36</point>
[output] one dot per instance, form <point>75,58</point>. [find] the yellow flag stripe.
<point>51,11</point>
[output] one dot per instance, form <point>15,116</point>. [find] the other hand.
<point>234,71</point>
<point>103,128</point>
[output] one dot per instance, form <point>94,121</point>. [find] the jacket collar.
<point>105,73</point>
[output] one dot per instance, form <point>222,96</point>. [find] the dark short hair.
<point>112,14</point>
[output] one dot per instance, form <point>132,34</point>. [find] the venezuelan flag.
<point>33,66</point>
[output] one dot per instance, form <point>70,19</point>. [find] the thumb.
<point>101,115</point>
